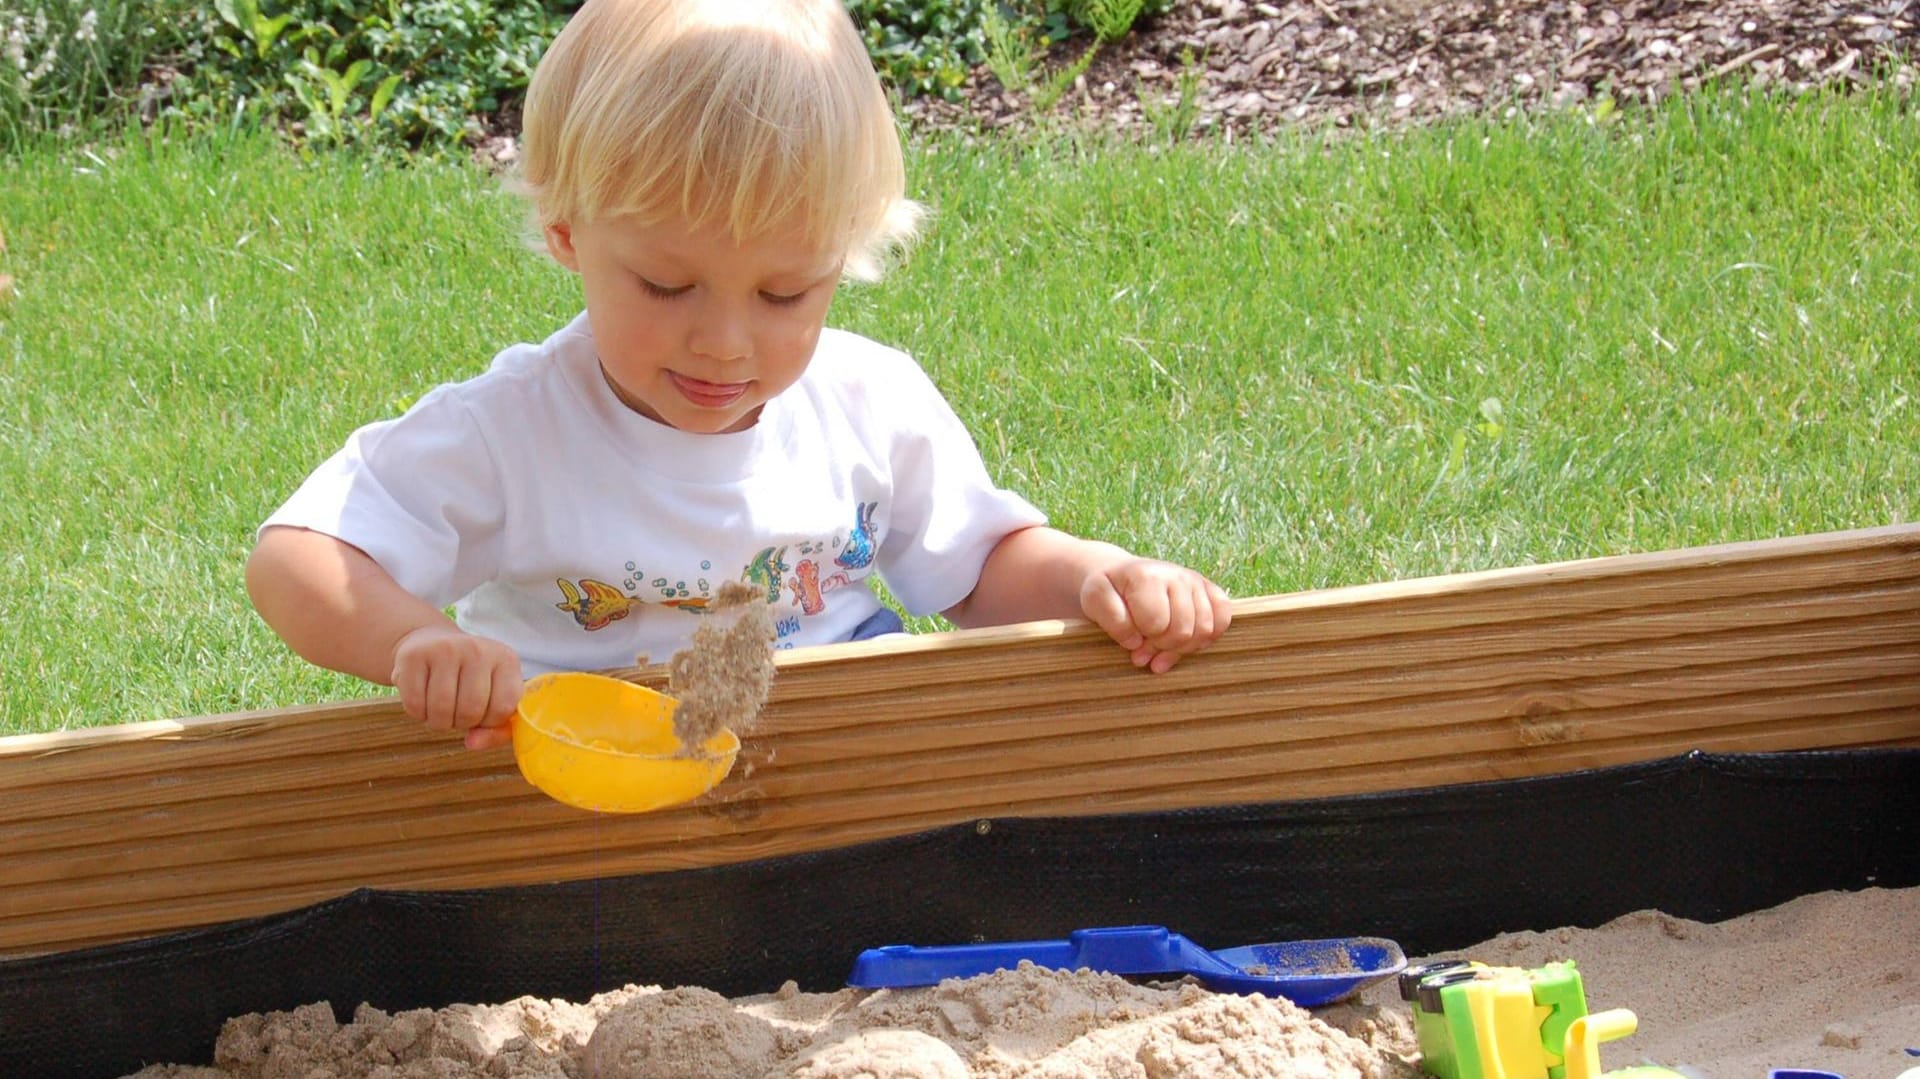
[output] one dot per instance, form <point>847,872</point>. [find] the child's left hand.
<point>1157,611</point>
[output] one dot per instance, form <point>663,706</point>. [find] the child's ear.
<point>560,245</point>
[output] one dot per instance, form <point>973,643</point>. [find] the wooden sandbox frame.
<point>1806,642</point>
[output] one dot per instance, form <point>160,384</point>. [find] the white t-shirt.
<point>557,520</point>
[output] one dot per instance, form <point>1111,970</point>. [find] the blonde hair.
<point>751,115</point>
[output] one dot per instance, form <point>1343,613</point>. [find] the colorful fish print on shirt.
<point>810,589</point>
<point>859,551</point>
<point>594,604</point>
<point>766,570</point>
<point>803,582</point>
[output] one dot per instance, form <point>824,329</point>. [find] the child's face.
<point>694,330</point>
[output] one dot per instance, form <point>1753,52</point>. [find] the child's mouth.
<point>708,394</point>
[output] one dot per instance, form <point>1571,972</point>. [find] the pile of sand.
<point>1828,981</point>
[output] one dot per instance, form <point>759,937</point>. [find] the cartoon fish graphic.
<point>806,587</point>
<point>859,552</point>
<point>696,604</point>
<point>594,604</point>
<point>767,570</point>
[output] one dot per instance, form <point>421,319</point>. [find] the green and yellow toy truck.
<point>1475,1021</point>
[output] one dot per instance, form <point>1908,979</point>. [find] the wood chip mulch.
<point>1348,62</point>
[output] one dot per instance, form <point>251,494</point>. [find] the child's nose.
<point>723,332</point>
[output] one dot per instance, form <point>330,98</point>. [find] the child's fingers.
<point>1162,614</point>
<point>496,727</point>
<point>411,684</point>
<point>506,693</point>
<point>1211,613</point>
<point>443,697</point>
<point>1150,605</point>
<point>428,695</point>
<point>489,737</point>
<point>1221,605</point>
<point>473,697</point>
<point>1178,633</point>
<point>452,681</point>
<point>1104,607</point>
<point>1158,612</point>
<point>421,677</point>
<point>488,689</point>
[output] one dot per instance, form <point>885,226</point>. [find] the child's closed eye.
<point>784,299</point>
<point>662,292</point>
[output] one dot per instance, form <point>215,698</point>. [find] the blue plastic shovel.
<point>1307,972</point>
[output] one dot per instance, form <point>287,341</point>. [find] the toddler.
<point>711,170</point>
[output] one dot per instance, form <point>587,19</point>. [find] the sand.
<point>1828,981</point>
<point>723,677</point>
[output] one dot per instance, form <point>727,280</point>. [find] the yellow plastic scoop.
<point>599,743</point>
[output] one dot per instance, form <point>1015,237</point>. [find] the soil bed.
<point>1386,62</point>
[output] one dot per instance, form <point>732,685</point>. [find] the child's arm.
<point>1156,610</point>
<point>338,609</point>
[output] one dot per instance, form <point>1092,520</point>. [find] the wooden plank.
<point>132,920</point>
<point>857,758</point>
<point>1803,642</point>
<point>89,873</point>
<point>314,759</point>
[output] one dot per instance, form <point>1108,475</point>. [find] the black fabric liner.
<point>1702,836</point>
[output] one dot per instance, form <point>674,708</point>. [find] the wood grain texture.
<point>1797,643</point>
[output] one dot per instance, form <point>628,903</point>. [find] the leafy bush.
<point>923,46</point>
<point>414,72</point>
<point>402,73</point>
<point>1109,20</point>
<point>930,46</point>
<point>392,73</point>
<point>66,63</point>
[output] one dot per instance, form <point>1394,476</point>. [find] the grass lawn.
<point>1292,365</point>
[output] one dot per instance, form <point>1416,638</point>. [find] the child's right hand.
<point>452,680</point>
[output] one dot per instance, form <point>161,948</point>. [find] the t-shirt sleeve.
<point>419,494</point>
<point>948,514</point>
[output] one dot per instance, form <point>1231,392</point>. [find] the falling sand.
<point>1828,981</point>
<point>723,677</point>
